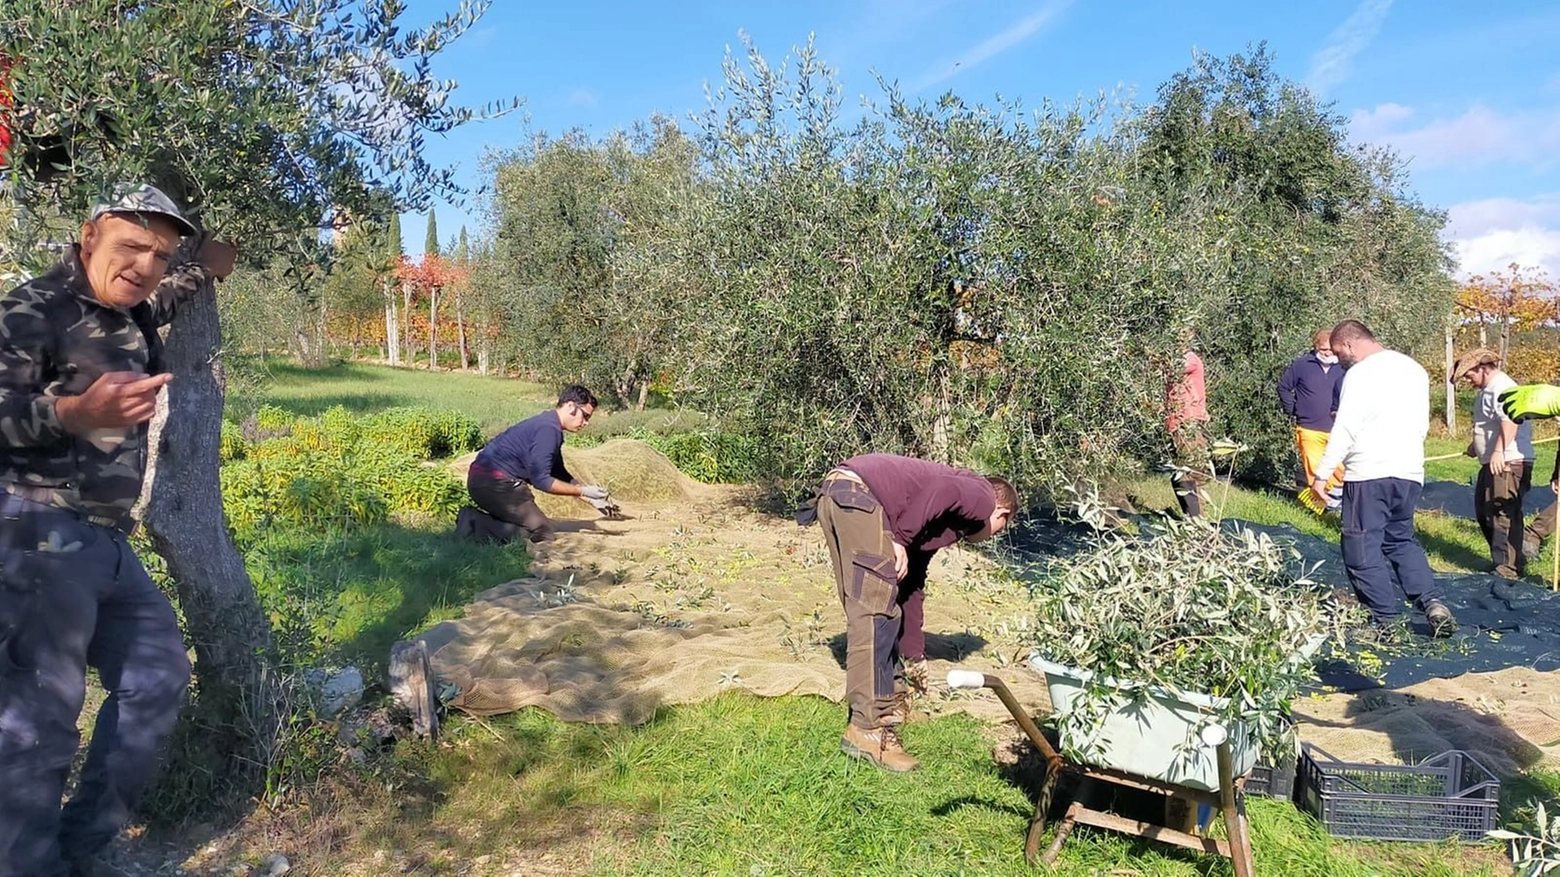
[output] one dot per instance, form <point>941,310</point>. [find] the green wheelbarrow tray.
<point>1155,735</point>
<point>1225,796</point>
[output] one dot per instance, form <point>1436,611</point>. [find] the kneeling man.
<point>530,454</point>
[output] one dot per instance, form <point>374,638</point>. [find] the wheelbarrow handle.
<point>972,679</point>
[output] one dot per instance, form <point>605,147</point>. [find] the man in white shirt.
<point>1379,438</point>
<point>1504,449</point>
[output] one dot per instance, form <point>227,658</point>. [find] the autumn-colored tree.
<point>1517,299</point>
<point>426,279</point>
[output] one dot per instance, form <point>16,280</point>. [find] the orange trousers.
<point>1313,444</point>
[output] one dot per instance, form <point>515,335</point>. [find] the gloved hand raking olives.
<point>593,492</point>
<point>1531,400</point>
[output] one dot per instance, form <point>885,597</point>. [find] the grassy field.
<point>496,402</point>
<point>737,785</point>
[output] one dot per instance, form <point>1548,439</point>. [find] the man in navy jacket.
<point>530,454</point>
<point>1308,392</point>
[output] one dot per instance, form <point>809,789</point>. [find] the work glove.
<point>1531,400</point>
<point>593,491</point>
<point>607,507</point>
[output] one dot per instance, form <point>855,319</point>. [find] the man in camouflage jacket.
<point>80,369</point>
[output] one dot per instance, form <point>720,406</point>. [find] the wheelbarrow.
<point>1223,795</point>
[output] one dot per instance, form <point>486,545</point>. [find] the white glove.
<point>607,507</point>
<point>593,492</point>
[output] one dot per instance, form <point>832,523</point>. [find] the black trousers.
<point>511,502</point>
<point>73,595</point>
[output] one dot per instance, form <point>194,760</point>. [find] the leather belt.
<point>47,496</point>
<point>838,473</point>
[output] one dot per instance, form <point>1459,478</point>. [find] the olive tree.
<point>1318,231</point>
<point>586,236</point>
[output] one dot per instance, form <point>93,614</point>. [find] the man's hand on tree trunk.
<point>115,400</point>
<point>216,256</point>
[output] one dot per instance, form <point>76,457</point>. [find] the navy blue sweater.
<point>531,451</point>
<point>1310,395</point>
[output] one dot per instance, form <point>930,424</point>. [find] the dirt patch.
<point>694,594</point>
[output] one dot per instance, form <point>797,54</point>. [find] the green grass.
<point>745,785</point>
<point>1462,469</point>
<point>363,389</point>
<point>350,596</point>
<point>496,402</point>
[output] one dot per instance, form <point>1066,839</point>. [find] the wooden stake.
<point>1554,579</point>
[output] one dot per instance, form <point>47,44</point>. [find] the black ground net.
<point>1502,623</point>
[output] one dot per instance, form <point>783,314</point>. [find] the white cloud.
<point>1479,136</point>
<point>1491,234</point>
<point>482,36</point>
<point>989,48</point>
<point>1331,65</point>
<point>582,97</point>
<point>1382,119</point>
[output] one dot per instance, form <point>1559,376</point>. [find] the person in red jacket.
<point>5,109</point>
<point>882,516</point>
<point>1186,419</point>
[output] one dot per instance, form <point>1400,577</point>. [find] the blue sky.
<point>1468,93</point>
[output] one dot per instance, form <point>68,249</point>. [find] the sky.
<point>1468,94</point>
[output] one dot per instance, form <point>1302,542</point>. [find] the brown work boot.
<point>880,746</point>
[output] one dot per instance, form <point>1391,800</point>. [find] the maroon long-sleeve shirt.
<point>928,505</point>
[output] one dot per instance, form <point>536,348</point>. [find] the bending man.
<point>80,369</point>
<point>1379,438</point>
<point>883,516</point>
<point>530,454</point>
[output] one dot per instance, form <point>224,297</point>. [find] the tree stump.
<point>412,685</point>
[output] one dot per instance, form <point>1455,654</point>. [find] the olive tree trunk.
<point>182,513</point>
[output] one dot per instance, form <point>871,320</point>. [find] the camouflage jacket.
<point>56,338</point>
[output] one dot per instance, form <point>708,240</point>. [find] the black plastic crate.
<point>1272,781</point>
<point>1447,795</point>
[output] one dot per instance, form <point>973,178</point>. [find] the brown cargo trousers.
<point>862,550</point>
<point>1497,505</point>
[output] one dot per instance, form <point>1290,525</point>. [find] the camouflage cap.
<point>144,200</point>
<point>1471,360</point>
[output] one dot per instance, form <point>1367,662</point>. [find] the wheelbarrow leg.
<point>1036,829</point>
<point>1064,829</point>
<point>1234,817</point>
